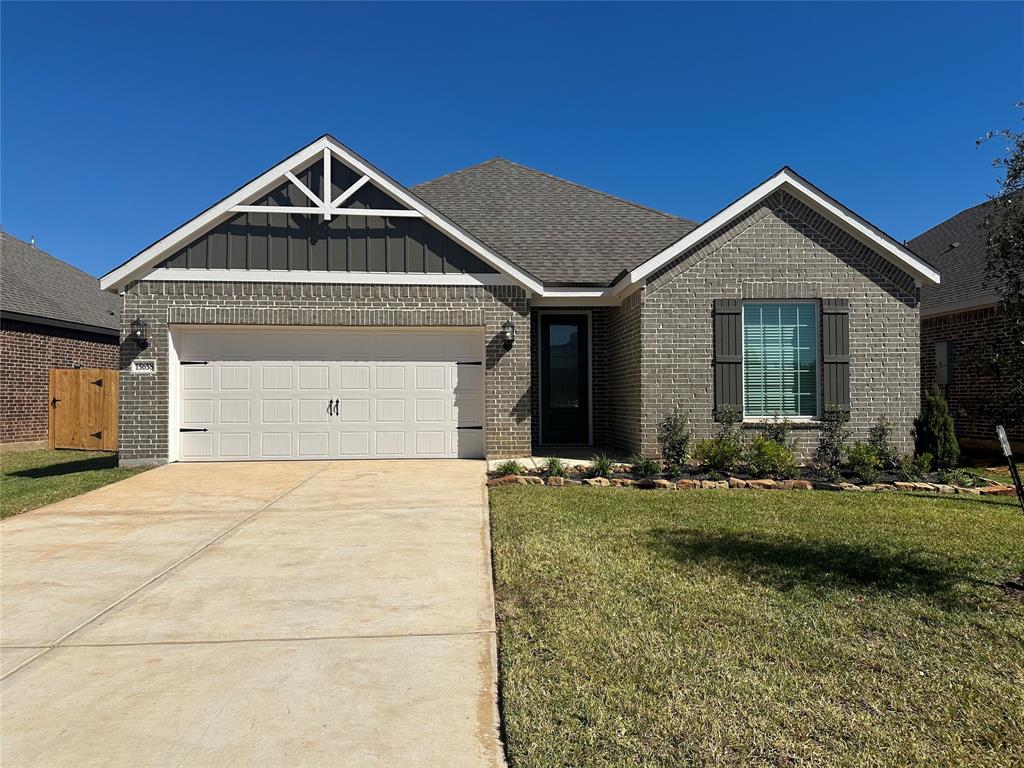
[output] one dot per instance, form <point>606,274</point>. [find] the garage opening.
<point>273,393</point>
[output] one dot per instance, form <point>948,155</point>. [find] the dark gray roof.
<point>34,283</point>
<point>556,229</point>
<point>962,268</point>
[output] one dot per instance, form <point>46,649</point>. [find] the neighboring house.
<point>959,320</point>
<point>323,310</point>
<point>51,316</point>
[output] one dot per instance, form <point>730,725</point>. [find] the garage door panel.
<point>278,411</point>
<point>311,393</point>
<point>354,444</point>
<point>234,411</point>
<point>197,411</point>
<point>235,445</point>
<point>235,378</point>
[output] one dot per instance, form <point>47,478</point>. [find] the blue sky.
<point>121,121</point>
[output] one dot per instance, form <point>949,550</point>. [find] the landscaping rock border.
<point>735,483</point>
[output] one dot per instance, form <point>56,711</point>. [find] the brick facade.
<point>144,397</point>
<point>779,250</point>
<point>974,388</point>
<point>27,353</point>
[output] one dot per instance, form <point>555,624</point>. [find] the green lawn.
<point>30,479</point>
<point>733,628</point>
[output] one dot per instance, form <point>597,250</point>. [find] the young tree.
<point>1005,270</point>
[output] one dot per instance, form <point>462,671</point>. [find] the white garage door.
<point>272,393</point>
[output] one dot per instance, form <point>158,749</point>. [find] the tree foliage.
<point>1005,271</point>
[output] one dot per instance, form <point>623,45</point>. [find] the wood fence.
<point>83,408</point>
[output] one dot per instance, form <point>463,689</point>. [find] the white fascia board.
<point>264,183</point>
<point>316,276</point>
<point>788,181</point>
<point>567,297</point>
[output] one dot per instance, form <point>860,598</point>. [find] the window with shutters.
<point>780,360</point>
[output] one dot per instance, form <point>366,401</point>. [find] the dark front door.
<point>564,379</point>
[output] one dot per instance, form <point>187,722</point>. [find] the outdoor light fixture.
<point>508,329</point>
<point>138,334</point>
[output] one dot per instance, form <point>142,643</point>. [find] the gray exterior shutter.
<point>835,354</point>
<point>728,332</point>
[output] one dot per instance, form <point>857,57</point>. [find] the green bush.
<point>510,467</point>
<point>674,438</point>
<point>555,467</point>
<point>643,468</point>
<point>723,451</point>
<point>767,458</point>
<point>828,456</point>
<point>601,465</point>
<point>934,433</point>
<point>778,431</point>
<point>879,438</point>
<point>913,468</point>
<point>960,477</point>
<point>863,460</point>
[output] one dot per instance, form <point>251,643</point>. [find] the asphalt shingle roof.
<point>962,268</point>
<point>34,283</point>
<point>557,230</point>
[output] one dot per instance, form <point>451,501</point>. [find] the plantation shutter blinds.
<point>835,354</point>
<point>780,366</point>
<point>728,362</point>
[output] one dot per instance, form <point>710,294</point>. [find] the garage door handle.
<point>193,429</point>
<point>334,406</point>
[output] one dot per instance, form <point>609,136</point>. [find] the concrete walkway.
<point>272,614</point>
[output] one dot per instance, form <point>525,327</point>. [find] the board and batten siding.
<point>300,242</point>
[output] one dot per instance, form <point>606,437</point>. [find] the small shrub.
<point>642,467</point>
<point>934,433</point>
<point>601,466</point>
<point>863,459</point>
<point>879,438</point>
<point>674,438</point>
<point>510,467</point>
<point>828,456</point>
<point>913,468</point>
<point>723,451</point>
<point>767,458</point>
<point>960,477</point>
<point>778,431</point>
<point>555,467</point>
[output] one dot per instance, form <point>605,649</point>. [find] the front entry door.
<point>564,380</point>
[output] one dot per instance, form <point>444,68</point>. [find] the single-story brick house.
<point>323,310</point>
<point>51,316</point>
<point>959,319</point>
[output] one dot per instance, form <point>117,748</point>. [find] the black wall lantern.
<point>508,330</point>
<point>138,334</point>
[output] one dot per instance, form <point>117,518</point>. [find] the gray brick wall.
<point>144,400</point>
<point>622,406</point>
<point>781,250</point>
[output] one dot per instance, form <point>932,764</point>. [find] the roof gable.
<point>252,197</point>
<point>558,230</point>
<point>789,181</point>
<point>38,285</point>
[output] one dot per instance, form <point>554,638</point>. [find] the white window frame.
<point>816,303</point>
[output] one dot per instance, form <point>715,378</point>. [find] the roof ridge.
<point>616,198</point>
<point>610,196</point>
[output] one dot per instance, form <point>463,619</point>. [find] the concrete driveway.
<point>273,614</point>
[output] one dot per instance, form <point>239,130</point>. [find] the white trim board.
<point>317,276</point>
<point>145,260</point>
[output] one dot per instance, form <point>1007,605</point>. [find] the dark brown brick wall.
<point>27,353</point>
<point>974,387</point>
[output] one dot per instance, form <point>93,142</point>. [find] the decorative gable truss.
<point>323,194</point>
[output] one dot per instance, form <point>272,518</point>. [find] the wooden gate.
<point>83,408</point>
